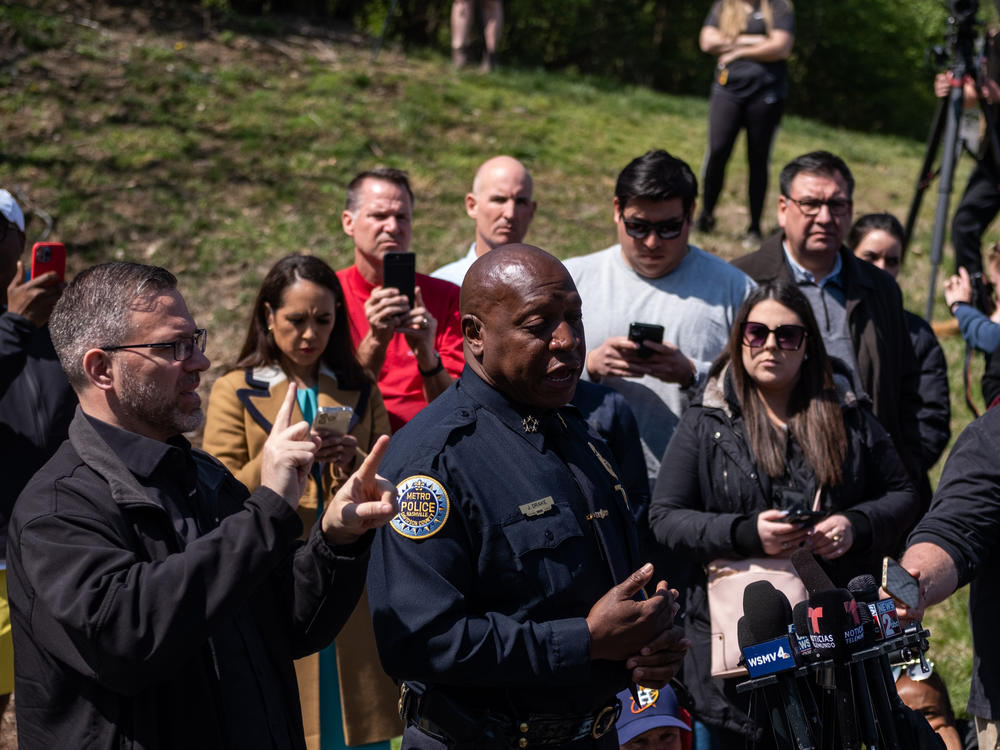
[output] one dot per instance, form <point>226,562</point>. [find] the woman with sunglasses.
<point>299,333</point>
<point>774,433</point>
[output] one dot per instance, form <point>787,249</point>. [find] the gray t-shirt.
<point>696,304</point>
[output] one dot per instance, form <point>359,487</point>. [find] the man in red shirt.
<point>415,353</point>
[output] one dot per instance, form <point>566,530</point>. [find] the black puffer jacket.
<point>709,481</point>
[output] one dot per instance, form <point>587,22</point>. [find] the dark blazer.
<point>887,365</point>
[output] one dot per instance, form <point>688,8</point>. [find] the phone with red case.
<point>48,256</point>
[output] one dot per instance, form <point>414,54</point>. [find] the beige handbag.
<point>726,581</point>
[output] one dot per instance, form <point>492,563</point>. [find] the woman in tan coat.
<point>299,332</point>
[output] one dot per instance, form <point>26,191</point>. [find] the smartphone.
<point>639,332</point>
<point>805,516</point>
<point>333,419</point>
<point>48,256</point>
<point>899,583</point>
<point>399,270</point>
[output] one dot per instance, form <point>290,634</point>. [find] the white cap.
<point>10,209</point>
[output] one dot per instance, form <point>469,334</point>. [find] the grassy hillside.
<point>213,147</point>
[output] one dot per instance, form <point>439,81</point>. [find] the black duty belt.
<point>441,717</point>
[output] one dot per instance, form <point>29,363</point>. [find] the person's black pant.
<point>979,206</point>
<point>760,116</point>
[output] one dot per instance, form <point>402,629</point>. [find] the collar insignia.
<point>530,423</point>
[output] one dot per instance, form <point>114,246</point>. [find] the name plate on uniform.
<point>537,508</point>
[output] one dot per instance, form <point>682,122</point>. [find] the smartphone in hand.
<point>898,582</point>
<point>334,420</point>
<point>639,332</point>
<point>399,270</point>
<point>48,256</point>
<point>807,517</point>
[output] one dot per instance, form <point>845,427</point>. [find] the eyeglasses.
<point>789,337</point>
<point>183,348</point>
<point>665,230</point>
<point>812,206</point>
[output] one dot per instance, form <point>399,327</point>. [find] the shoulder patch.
<point>423,507</point>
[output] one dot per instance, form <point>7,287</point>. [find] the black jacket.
<point>934,411</point>
<point>36,407</point>
<point>709,481</point>
<point>887,365</point>
<point>114,618</point>
<point>964,520</point>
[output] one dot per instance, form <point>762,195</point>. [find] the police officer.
<point>506,594</point>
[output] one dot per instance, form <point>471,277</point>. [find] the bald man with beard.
<point>501,206</point>
<point>505,593</point>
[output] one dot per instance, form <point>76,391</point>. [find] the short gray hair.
<point>96,308</point>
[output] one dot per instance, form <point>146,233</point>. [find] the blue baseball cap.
<point>656,708</point>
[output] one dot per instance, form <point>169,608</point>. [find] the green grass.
<point>213,154</point>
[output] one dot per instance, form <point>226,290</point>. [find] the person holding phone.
<point>36,401</point>
<point>955,544</point>
<point>413,348</point>
<point>775,432</point>
<point>653,275</point>
<point>298,333</point>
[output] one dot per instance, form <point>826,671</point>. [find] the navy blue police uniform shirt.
<point>481,585</point>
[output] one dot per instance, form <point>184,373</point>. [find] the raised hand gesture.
<point>365,501</point>
<point>288,453</point>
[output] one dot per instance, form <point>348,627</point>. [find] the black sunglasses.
<point>665,230</point>
<point>789,337</point>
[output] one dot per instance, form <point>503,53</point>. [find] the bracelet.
<point>954,305</point>
<point>434,370</point>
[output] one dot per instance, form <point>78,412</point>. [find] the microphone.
<point>800,620</point>
<point>884,626</point>
<point>814,578</point>
<point>834,627</point>
<point>883,611</point>
<point>769,651</point>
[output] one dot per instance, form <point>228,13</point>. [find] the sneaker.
<point>705,223</point>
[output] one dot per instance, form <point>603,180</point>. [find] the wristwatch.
<point>434,370</point>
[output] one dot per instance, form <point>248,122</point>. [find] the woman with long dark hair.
<point>774,432</point>
<point>299,332</point>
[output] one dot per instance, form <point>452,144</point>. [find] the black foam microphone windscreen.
<point>766,610</point>
<point>814,578</point>
<point>864,588</point>
<point>744,635</point>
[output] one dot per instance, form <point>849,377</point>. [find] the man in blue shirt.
<point>859,307</point>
